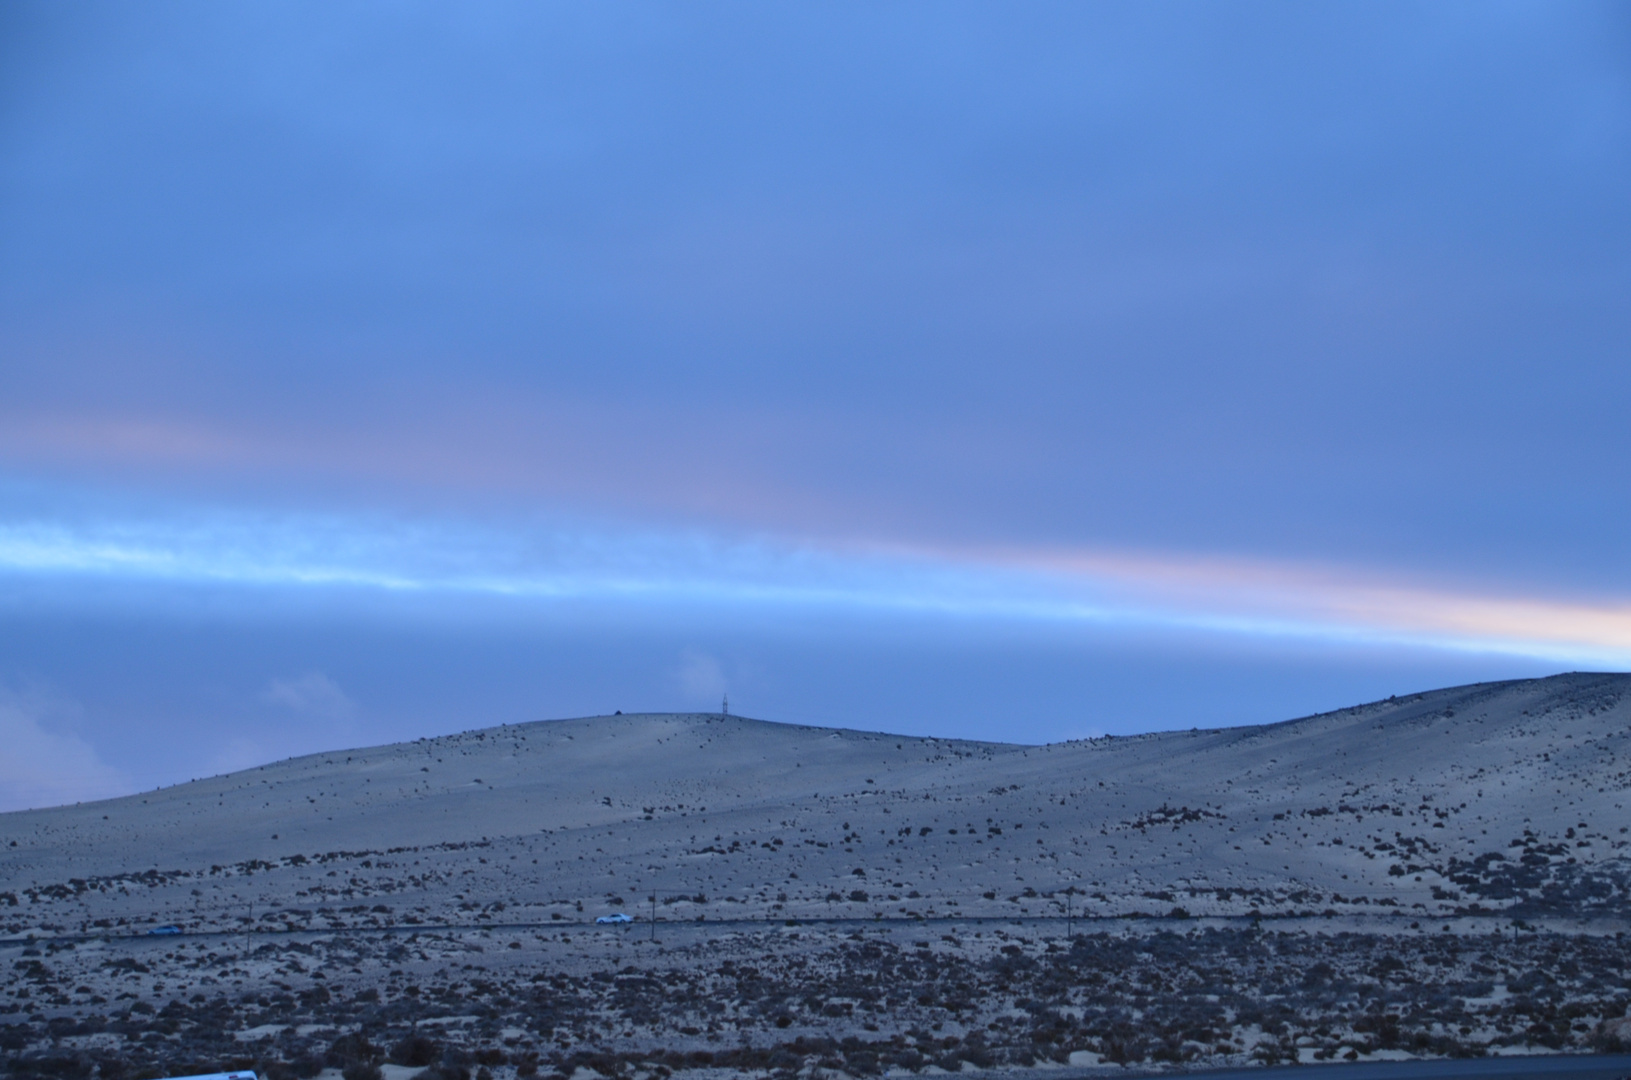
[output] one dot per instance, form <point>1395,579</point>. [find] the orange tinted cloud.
<point>1339,600</point>
<point>566,454</point>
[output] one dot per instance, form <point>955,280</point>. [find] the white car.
<point>615,920</point>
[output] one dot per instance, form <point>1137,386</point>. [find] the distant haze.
<point>371,372</point>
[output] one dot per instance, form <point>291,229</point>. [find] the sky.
<point>1009,371</point>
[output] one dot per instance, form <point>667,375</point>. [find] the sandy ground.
<point>1491,817</point>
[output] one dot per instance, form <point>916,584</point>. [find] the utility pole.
<point>654,913</point>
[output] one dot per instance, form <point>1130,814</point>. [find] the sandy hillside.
<point>1487,797</point>
<point>1443,875</point>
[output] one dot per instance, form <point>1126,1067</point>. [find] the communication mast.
<point>725,706</point>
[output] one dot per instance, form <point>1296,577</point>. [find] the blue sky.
<point>1012,371</point>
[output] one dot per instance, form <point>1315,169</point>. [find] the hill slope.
<point>1493,796</point>
<point>431,903</point>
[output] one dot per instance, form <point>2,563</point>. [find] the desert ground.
<point>1438,875</point>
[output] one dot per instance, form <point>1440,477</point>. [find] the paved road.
<point>641,926</point>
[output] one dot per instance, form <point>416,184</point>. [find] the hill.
<point>1506,796</point>
<point>1440,875</point>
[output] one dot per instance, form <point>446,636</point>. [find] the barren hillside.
<point>1488,797</point>
<point>1439,875</point>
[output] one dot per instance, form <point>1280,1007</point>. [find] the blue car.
<point>163,931</point>
<point>615,920</point>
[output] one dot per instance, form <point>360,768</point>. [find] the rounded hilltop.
<point>1408,804</point>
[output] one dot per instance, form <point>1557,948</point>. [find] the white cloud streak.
<point>541,565</point>
<point>314,694</point>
